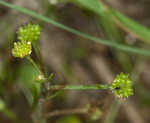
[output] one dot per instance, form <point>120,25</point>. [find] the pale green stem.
<point>79,87</point>
<point>34,64</point>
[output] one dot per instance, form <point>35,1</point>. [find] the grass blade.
<point>132,26</point>
<point>125,22</point>
<point>92,5</point>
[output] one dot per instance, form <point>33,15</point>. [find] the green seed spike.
<point>29,32</point>
<point>122,86</point>
<point>21,49</point>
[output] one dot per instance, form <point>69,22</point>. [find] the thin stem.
<point>68,111</point>
<point>34,64</point>
<point>79,87</point>
<point>54,95</point>
<point>39,56</point>
<point>113,112</point>
<point>38,110</point>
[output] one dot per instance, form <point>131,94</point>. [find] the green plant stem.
<point>38,54</point>
<point>79,87</point>
<point>66,112</point>
<point>114,109</point>
<point>121,47</point>
<point>38,109</point>
<point>34,64</point>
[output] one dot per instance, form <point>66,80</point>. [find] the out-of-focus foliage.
<point>69,119</point>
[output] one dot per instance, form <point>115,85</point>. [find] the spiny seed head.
<point>30,32</point>
<point>21,49</point>
<point>122,86</point>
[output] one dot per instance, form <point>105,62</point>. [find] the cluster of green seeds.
<point>122,86</point>
<point>25,35</point>
<point>21,49</point>
<point>30,32</point>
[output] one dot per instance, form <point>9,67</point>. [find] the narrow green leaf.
<point>92,5</point>
<point>129,24</point>
<point>132,26</point>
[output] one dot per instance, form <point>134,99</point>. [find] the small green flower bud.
<point>30,32</point>
<point>122,86</point>
<point>21,49</point>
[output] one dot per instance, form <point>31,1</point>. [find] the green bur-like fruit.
<point>30,32</point>
<point>122,86</point>
<point>21,49</point>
